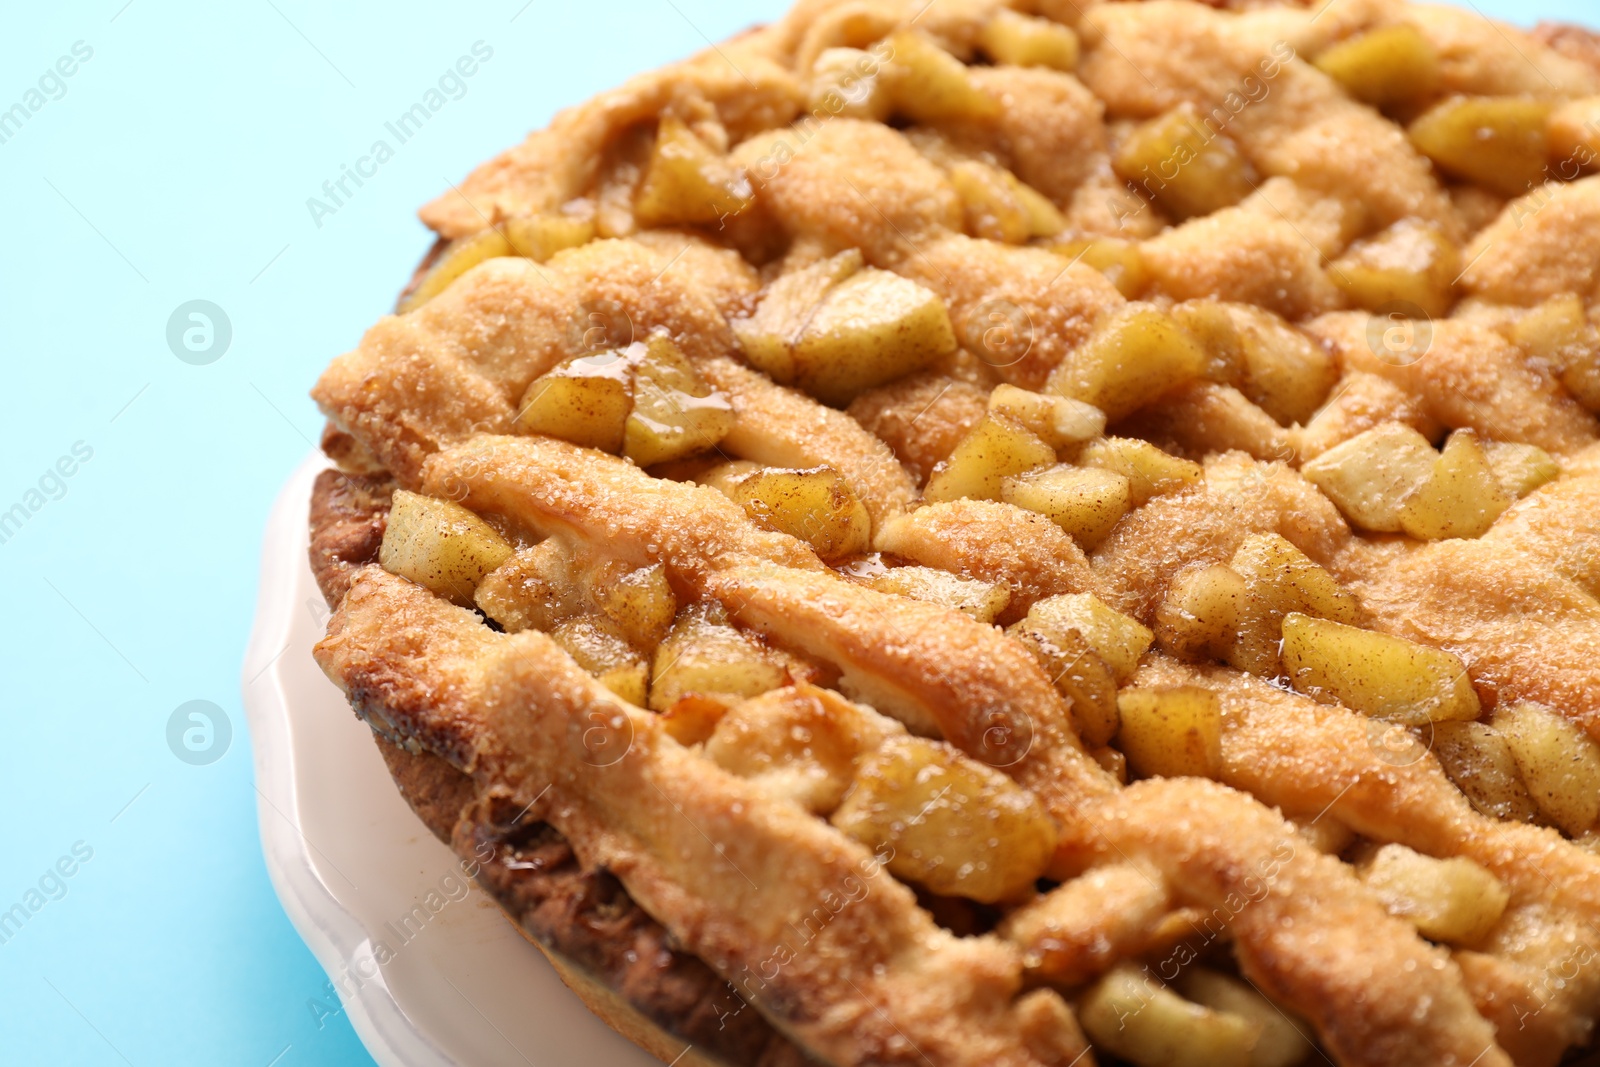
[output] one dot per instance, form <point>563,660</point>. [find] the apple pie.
<point>960,534</point>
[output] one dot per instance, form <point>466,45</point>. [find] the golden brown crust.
<point>514,711</point>
<point>605,948</point>
<point>622,962</point>
<point>744,89</point>
<point>995,542</point>
<point>348,515</point>
<point>1314,759</point>
<point>1574,42</point>
<point>1207,524</point>
<point>1520,602</point>
<point>477,724</point>
<point>1293,949</point>
<point>921,418</point>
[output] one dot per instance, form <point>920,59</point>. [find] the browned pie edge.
<point>617,959</point>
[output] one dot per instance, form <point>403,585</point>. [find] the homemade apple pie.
<point>949,533</point>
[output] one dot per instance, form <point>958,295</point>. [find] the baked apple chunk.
<point>646,402</point>
<point>837,329</point>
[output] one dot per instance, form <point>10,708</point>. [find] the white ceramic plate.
<point>428,969</point>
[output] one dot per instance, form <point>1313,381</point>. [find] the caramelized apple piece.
<point>1370,476</point>
<point>1187,168</point>
<point>994,450</point>
<point>1385,67</point>
<point>1235,613</point>
<point>848,82</point>
<point>1137,354</point>
<point>1135,1018</point>
<point>532,590</point>
<point>1199,619</point>
<point>585,400</point>
<point>1451,900</point>
<point>1559,763</point>
<point>1520,468</point>
<point>1078,672</point>
<point>871,328</point>
<point>1019,40</point>
<point>1120,640</point>
<point>1150,471</point>
<point>597,647</point>
<point>1282,1043</point>
<point>1554,329</point>
<point>814,505</point>
<point>675,413</point>
<point>951,824</point>
<point>723,476</point>
<point>538,237</point>
<point>1057,421</point>
<point>769,335</point>
<point>1499,142</point>
<point>983,601</point>
<point>1460,497</point>
<point>1559,333</point>
<point>688,182</point>
<point>1286,374</point>
<point>639,602</point>
<point>1210,323</point>
<point>1280,579</point>
<point>1479,760</point>
<point>1171,733</point>
<point>1287,579</point>
<point>1119,260</point>
<point>1084,501</point>
<point>440,545</point>
<point>1411,262</point>
<point>999,207</point>
<point>704,656</point>
<point>1376,674</point>
<point>1086,648</point>
<point>458,257</point>
<point>928,84</point>
<point>992,211</point>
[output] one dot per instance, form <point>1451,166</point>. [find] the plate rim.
<point>332,932</point>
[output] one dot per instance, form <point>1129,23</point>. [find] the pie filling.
<point>1023,536</point>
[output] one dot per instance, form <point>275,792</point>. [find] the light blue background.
<point>176,166</point>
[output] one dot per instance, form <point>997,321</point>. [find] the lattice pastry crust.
<point>988,535</point>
